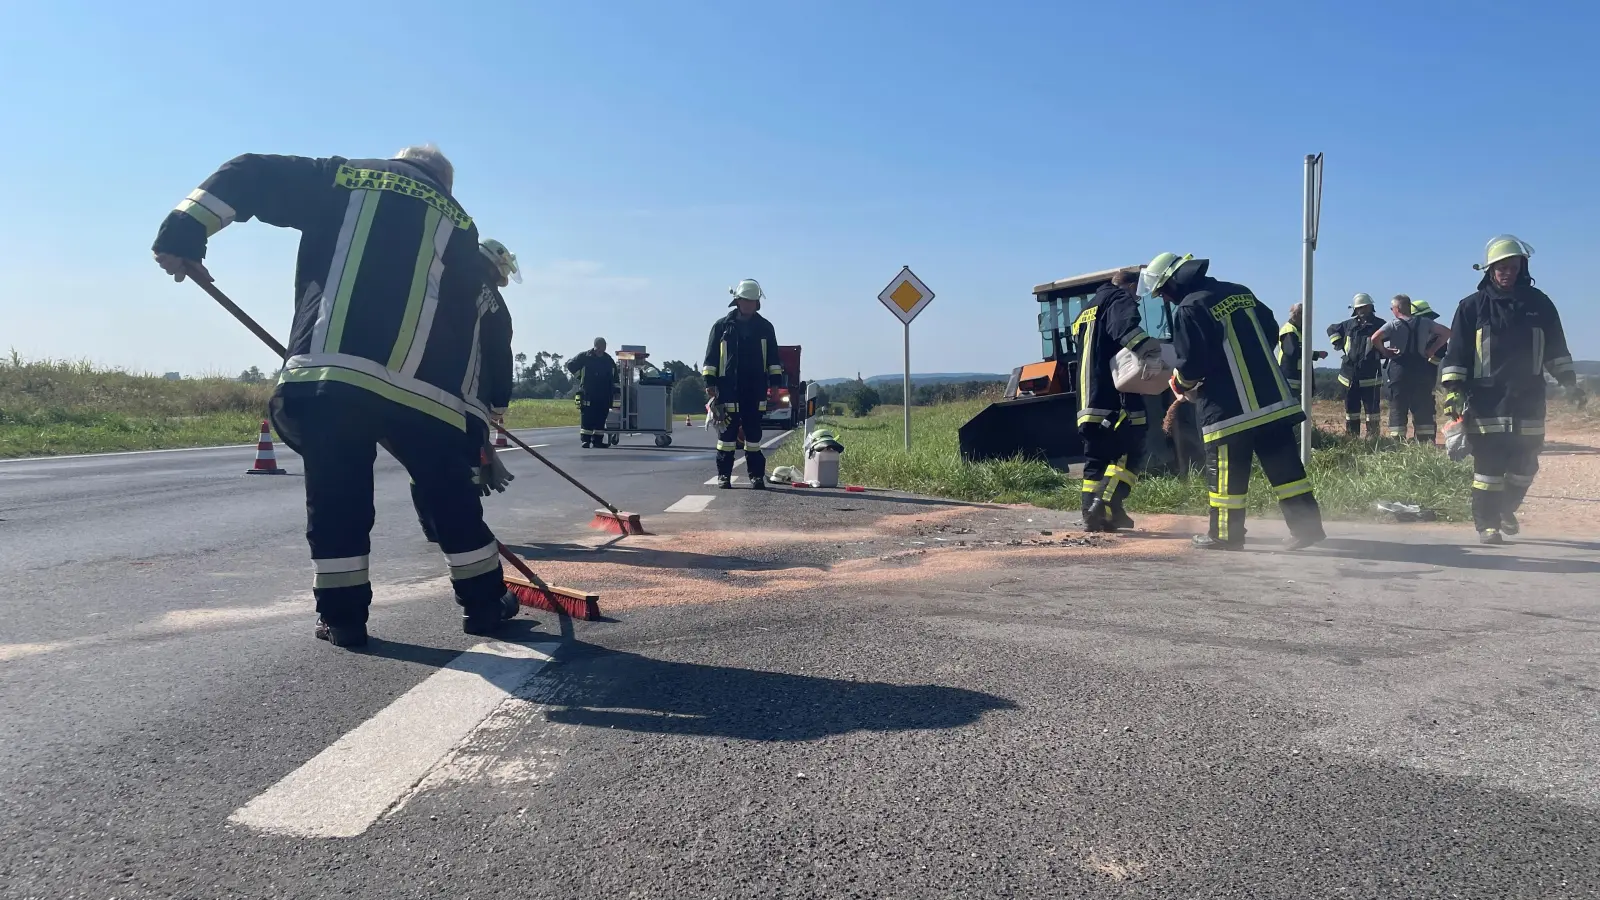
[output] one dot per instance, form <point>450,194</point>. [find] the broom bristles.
<point>623,523</point>
<point>562,601</point>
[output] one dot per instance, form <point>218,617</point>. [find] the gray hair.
<point>1402,303</point>
<point>431,159</point>
<point>599,343</point>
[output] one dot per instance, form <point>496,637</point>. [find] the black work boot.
<point>1119,517</point>
<point>725,481</point>
<point>1490,536</point>
<point>758,483</point>
<point>485,618</point>
<point>352,635</point>
<point>1097,516</point>
<point>1509,523</point>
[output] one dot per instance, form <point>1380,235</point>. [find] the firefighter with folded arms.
<point>1504,337</point>
<point>1361,372</point>
<point>386,306</point>
<point>489,394</point>
<point>740,365</point>
<point>1408,342</point>
<point>1112,423</point>
<point>596,374</point>
<point>1227,369</point>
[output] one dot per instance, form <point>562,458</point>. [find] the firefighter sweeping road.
<point>800,694</point>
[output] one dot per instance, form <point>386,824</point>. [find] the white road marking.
<point>344,789</point>
<point>276,444</point>
<point>693,503</point>
<point>515,447</point>
<point>740,461</point>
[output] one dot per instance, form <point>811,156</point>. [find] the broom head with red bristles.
<point>616,522</point>
<point>562,601</point>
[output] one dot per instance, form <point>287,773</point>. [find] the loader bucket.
<point>1043,428</point>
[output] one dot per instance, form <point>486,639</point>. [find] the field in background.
<point>57,408</point>
<point>1349,476</point>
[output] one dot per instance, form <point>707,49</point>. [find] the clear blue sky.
<point>641,157</point>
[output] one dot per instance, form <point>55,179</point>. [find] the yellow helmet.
<point>1503,246</point>
<point>1159,272</point>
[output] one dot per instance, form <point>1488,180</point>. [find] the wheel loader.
<point>1037,417</point>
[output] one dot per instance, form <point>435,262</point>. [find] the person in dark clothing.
<point>741,364</point>
<point>488,395</point>
<point>1361,372</point>
<point>1226,368</point>
<point>1290,345</point>
<point>1408,342</point>
<point>386,289</point>
<point>1505,336</point>
<point>596,375</point>
<point>1112,423</point>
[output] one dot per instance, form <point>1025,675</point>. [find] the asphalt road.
<point>1397,714</point>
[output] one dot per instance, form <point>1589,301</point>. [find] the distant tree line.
<point>544,376</point>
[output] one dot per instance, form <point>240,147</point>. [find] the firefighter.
<point>386,290</point>
<point>489,394</point>
<point>1360,373</point>
<point>1112,423</point>
<point>741,364</point>
<point>1226,368</point>
<point>1289,347</point>
<point>1504,337</point>
<point>596,373</point>
<point>1408,342</point>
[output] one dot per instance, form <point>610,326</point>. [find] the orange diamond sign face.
<point>905,296</point>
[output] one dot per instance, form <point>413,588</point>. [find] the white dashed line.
<point>693,503</point>
<point>341,791</point>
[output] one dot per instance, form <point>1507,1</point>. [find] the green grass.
<point>57,408</point>
<point>1349,476</point>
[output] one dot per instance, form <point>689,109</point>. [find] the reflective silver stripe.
<point>331,580</point>
<point>430,300</point>
<point>211,201</point>
<point>1454,373</point>
<point>342,564</point>
<point>377,370</point>
<point>487,551</point>
<point>469,384</point>
<point>336,273</point>
<point>1538,350</point>
<point>1519,480</point>
<point>473,570</point>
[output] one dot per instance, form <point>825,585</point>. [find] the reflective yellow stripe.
<point>727,446</point>
<point>1133,340</point>
<point>419,285</point>
<point>1480,357</point>
<point>1292,489</point>
<point>208,219</point>
<point>708,371</point>
<point>378,386</point>
<point>1227,501</point>
<point>724,366</point>
<point>352,267</point>
<point>1490,483</point>
<point>1343,380</point>
<point>377,180</point>
<point>1266,419</point>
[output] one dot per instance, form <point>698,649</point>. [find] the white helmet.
<point>748,289</point>
<point>503,259</point>
<point>1361,300</point>
<point>1159,272</point>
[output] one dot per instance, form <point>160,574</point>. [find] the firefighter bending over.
<point>1360,373</point>
<point>1409,342</point>
<point>596,373</point>
<point>1505,336</point>
<point>741,363</point>
<point>1112,423</point>
<point>386,303</point>
<point>1226,368</point>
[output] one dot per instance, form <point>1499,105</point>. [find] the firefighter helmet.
<point>1159,272</point>
<point>1503,246</point>
<point>1361,300</point>
<point>1422,309</point>
<point>504,260</point>
<point>748,289</point>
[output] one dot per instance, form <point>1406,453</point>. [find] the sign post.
<point>1313,210</point>
<point>906,296</point>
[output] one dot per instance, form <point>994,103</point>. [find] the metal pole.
<point>1313,215</point>
<point>907,383</point>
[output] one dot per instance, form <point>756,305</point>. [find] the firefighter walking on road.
<point>1221,333</point>
<point>596,374</point>
<point>741,364</point>
<point>1112,423</point>
<point>1409,342</point>
<point>1361,373</point>
<point>386,305</point>
<point>1504,337</point>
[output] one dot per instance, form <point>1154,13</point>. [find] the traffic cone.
<point>687,422</point>
<point>266,459</point>
<point>500,439</point>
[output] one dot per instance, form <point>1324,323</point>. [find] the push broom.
<point>609,519</point>
<point>529,589</point>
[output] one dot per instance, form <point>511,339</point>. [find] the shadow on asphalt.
<point>1499,559</point>
<point>602,688</point>
<point>625,555</point>
<point>1562,448</point>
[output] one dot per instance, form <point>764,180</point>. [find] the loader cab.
<point>1060,304</point>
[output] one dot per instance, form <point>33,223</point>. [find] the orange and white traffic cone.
<point>266,459</point>
<point>500,439</point>
<point>687,422</point>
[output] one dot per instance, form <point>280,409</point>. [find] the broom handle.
<point>522,567</point>
<point>266,338</point>
<point>540,457</point>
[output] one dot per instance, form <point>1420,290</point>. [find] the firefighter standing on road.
<point>488,395</point>
<point>597,381</point>
<point>386,291</point>
<point>1112,423</point>
<point>1504,337</point>
<point>1290,345</point>
<point>1226,367</point>
<point>1408,342</point>
<point>741,364</point>
<point>1361,372</point>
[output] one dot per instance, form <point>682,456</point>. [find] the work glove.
<point>492,475</point>
<point>1455,403</point>
<point>1318,354</point>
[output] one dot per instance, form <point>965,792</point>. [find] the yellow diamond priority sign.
<point>905,296</point>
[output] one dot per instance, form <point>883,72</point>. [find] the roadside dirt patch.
<point>1566,494</point>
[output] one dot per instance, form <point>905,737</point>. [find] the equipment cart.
<point>645,402</point>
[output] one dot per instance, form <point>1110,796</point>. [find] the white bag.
<point>1145,372</point>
